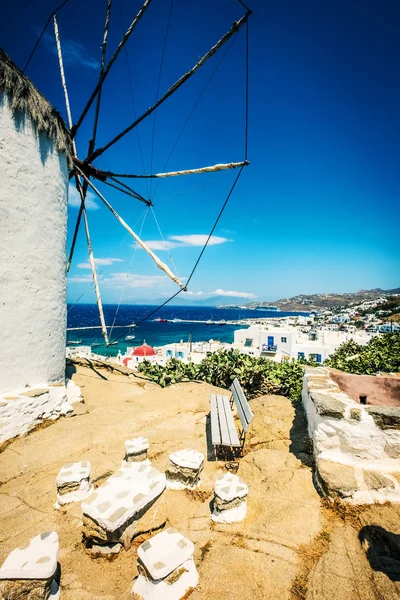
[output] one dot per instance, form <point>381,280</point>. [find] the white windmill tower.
<point>34,148</point>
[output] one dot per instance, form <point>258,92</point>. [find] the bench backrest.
<point>242,406</point>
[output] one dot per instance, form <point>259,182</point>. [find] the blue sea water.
<point>156,333</point>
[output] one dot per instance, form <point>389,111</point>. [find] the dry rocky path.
<point>291,544</point>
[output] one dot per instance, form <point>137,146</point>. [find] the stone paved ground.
<point>276,550</point>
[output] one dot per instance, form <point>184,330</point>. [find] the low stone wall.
<point>24,409</point>
<point>356,447</point>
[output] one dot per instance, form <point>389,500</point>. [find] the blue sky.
<point>317,210</point>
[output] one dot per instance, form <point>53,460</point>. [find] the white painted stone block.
<point>37,560</point>
<point>115,504</point>
<point>73,483</point>
<point>136,449</point>
<point>190,459</point>
<point>231,515</point>
<point>24,409</point>
<point>230,487</point>
<point>184,469</point>
<point>230,499</point>
<point>166,567</point>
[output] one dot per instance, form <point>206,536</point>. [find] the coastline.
<point>178,323</point>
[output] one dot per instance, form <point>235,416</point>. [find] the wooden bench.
<point>223,430</point>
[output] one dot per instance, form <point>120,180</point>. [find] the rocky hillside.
<point>308,302</point>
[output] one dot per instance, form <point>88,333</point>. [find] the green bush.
<point>260,376</point>
<point>256,375</point>
<point>382,353</point>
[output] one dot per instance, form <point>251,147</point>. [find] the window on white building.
<point>283,340</point>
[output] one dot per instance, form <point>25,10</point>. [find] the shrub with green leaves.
<point>260,376</point>
<point>256,375</point>
<point>382,353</point>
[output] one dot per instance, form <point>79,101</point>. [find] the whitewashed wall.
<point>356,447</point>
<point>33,217</point>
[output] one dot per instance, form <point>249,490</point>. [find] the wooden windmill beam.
<point>80,190</point>
<point>234,29</point>
<point>209,169</point>
<point>114,57</point>
<point>141,243</point>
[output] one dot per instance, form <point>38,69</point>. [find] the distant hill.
<point>329,301</point>
<point>181,300</point>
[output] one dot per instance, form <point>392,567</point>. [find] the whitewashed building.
<point>278,343</point>
<point>187,352</point>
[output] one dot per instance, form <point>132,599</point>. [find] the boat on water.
<point>176,321</point>
<point>130,337</point>
<point>74,342</point>
<point>161,320</point>
<point>209,322</point>
<point>222,322</point>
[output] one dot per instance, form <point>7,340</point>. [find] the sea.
<point>192,325</point>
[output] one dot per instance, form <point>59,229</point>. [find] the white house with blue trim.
<point>277,343</point>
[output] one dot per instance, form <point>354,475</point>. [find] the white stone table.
<point>136,449</point>
<point>121,501</point>
<point>166,567</point>
<point>184,469</point>
<point>29,572</point>
<point>73,483</point>
<point>230,499</point>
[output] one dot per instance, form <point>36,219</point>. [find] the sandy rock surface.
<point>260,558</point>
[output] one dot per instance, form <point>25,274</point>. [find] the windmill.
<point>86,175</point>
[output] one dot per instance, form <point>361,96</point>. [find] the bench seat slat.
<point>223,425</point>
<point>242,405</point>
<point>215,432</point>
<point>226,417</point>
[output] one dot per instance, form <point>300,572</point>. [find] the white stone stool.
<point>29,572</point>
<point>166,567</point>
<point>136,449</point>
<point>73,483</point>
<point>230,499</point>
<point>184,469</point>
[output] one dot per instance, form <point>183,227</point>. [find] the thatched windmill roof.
<point>25,98</point>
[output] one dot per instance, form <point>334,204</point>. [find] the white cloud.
<point>74,53</point>
<point>198,239</point>
<point>99,262</point>
<point>74,199</point>
<point>185,241</point>
<point>190,293</point>
<point>233,294</point>
<point>160,245</point>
